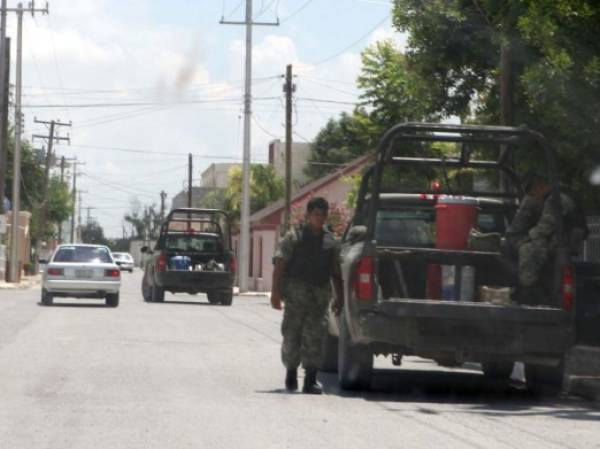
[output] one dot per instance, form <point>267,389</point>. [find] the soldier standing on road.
<point>533,233</point>
<point>306,262</point>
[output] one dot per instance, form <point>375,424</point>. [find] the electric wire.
<point>298,11</point>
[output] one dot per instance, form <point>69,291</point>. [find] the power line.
<point>298,11</point>
<point>364,36</point>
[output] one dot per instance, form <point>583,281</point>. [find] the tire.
<point>157,294</point>
<point>46,297</point>
<point>330,354</point>
<point>497,370</point>
<point>545,380</point>
<point>213,297</point>
<point>355,362</point>
<point>226,298</point>
<point>112,300</point>
<point>146,289</point>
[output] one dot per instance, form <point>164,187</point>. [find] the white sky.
<point>180,74</point>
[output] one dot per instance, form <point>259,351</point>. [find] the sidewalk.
<point>26,282</point>
<point>583,367</point>
<point>236,292</point>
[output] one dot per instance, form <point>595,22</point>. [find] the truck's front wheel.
<point>355,362</point>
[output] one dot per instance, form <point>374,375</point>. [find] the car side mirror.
<point>43,261</point>
<point>145,249</point>
<point>357,233</point>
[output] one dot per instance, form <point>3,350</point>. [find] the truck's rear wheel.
<point>497,370</point>
<point>157,294</point>
<point>545,380</point>
<point>226,298</point>
<point>330,354</point>
<point>213,297</point>
<point>146,290</point>
<point>355,362</point>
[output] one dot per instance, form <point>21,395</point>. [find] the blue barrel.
<point>180,263</point>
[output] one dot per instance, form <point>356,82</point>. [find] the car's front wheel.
<point>46,297</point>
<point>355,362</point>
<point>112,300</point>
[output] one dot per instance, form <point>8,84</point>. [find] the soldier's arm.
<point>283,254</point>
<point>278,271</point>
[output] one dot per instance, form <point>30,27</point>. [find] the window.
<point>83,254</point>
<point>406,227</point>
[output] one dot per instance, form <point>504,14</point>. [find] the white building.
<point>216,176</point>
<point>300,153</point>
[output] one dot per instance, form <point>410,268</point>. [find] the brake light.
<point>162,262</point>
<point>364,282</point>
<point>568,288</point>
<point>112,273</point>
<point>55,272</point>
<point>233,264</point>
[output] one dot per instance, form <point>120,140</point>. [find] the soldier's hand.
<point>276,301</point>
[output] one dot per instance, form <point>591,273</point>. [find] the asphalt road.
<point>185,374</point>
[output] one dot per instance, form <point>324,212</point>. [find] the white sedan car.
<point>81,271</point>
<point>124,260</point>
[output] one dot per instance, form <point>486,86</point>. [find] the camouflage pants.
<point>303,326</point>
<point>532,256</point>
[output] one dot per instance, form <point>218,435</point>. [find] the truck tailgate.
<point>476,331</point>
<point>474,311</point>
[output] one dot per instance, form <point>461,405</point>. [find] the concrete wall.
<point>300,153</point>
<point>216,176</point>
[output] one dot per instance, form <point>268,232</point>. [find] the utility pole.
<point>189,198</point>
<point>88,218</point>
<point>289,89</point>
<point>163,197</point>
<point>46,197</point>
<point>62,180</point>
<point>74,198</point>
<point>4,94</point>
<point>16,187</point>
<point>245,209</point>
<point>5,102</point>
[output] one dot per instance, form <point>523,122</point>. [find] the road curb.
<point>28,282</point>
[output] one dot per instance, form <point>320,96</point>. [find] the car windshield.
<point>82,254</point>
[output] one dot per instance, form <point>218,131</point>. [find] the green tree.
<point>93,233</point>
<point>454,46</point>
<point>265,188</point>
<point>340,141</point>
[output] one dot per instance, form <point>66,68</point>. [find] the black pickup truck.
<point>192,255</point>
<point>389,249</point>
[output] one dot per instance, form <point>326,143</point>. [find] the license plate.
<point>84,274</point>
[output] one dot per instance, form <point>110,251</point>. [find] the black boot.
<point>310,382</point>
<point>291,380</point>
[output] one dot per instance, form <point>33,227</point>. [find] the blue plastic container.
<point>180,263</point>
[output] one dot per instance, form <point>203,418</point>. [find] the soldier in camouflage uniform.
<point>533,233</point>
<point>306,262</point>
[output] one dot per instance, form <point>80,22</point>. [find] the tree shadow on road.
<point>472,391</point>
